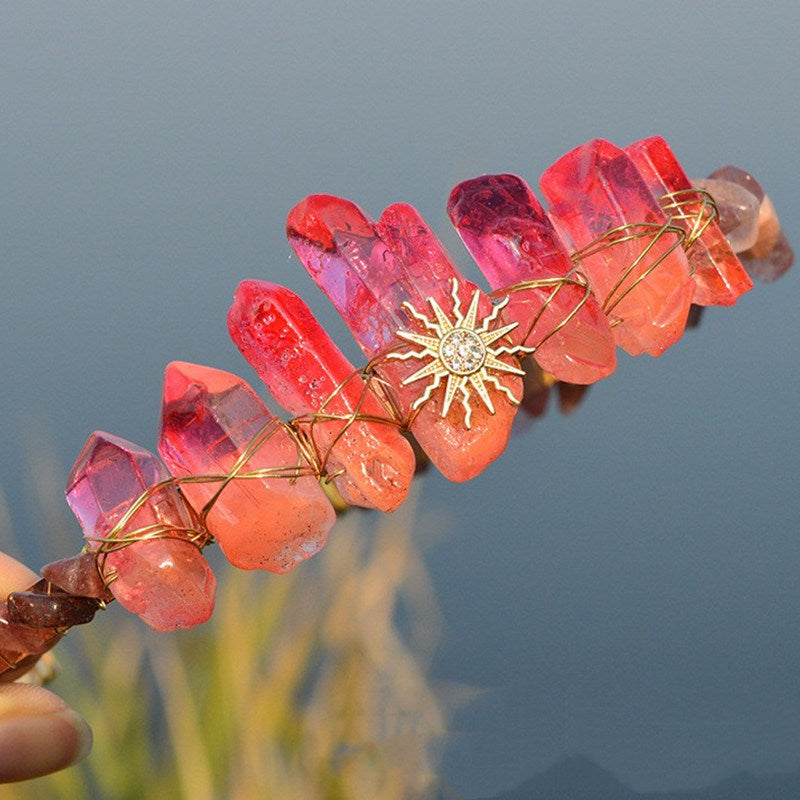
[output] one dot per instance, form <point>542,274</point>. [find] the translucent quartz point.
<point>771,254</point>
<point>210,421</point>
<point>738,211</point>
<point>595,189</point>
<point>719,277</point>
<point>164,579</point>
<point>369,271</point>
<point>306,373</point>
<point>512,240</point>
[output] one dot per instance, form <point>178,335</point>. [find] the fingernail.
<point>83,732</point>
<point>31,746</point>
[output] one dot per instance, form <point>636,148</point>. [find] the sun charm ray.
<point>462,352</point>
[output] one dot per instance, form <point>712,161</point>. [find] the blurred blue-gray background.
<point>623,582</point>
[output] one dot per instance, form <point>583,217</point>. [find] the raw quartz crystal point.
<point>720,278</point>
<point>306,373</point>
<point>369,271</point>
<point>512,240</point>
<point>594,189</point>
<point>768,255</point>
<point>212,424</point>
<point>163,577</point>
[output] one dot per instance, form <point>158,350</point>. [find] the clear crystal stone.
<point>462,351</point>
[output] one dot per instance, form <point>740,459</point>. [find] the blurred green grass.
<point>308,685</point>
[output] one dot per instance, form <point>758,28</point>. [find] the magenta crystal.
<point>513,241</point>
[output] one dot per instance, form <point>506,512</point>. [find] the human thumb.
<point>39,733</point>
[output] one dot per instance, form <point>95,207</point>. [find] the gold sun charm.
<point>462,352</point>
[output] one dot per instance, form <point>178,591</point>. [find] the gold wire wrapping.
<point>653,231</point>
<point>695,207</point>
<point>690,212</point>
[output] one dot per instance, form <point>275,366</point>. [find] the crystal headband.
<point>627,253</point>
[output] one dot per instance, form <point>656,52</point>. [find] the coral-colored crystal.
<point>164,579</point>
<point>512,240</point>
<point>306,373</point>
<point>369,270</point>
<point>647,290</point>
<point>210,422</point>
<point>720,278</point>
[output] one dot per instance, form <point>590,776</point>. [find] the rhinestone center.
<point>462,351</point>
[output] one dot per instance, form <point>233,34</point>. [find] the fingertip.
<point>39,733</point>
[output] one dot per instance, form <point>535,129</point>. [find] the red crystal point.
<point>306,373</point>
<point>210,421</point>
<point>163,577</point>
<point>512,240</point>
<point>373,272</point>
<point>646,288</point>
<point>719,276</point>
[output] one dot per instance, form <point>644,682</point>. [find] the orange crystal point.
<point>644,283</point>
<point>719,277</point>
<point>210,418</point>
<point>306,373</point>
<point>376,274</point>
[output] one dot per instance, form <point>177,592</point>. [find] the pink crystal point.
<point>209,419</point>
<point>719,276</point>
<point>164,579</point>
<point>596,188</point>
<point>306,373</point>
<point>510,237</point>
<point>369,271</point>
